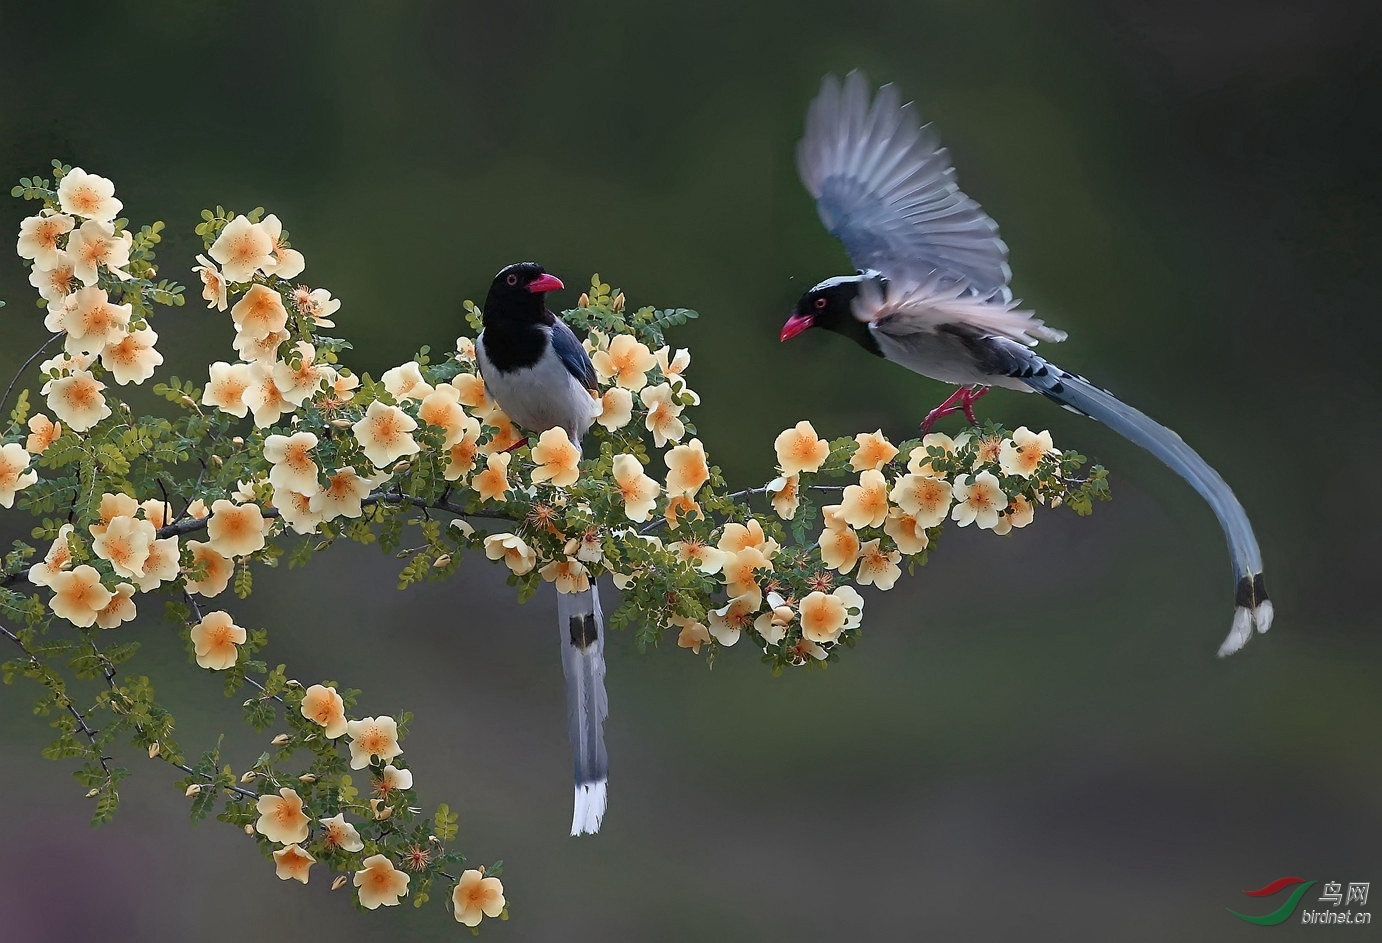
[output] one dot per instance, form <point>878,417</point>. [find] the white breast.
<point>541,397</point>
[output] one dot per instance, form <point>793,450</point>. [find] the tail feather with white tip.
<point>582,627</point>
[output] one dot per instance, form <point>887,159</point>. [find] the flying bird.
<point>931,293</point>
<point>535,368</point>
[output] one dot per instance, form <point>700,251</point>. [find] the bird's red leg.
<point>970,395</point>
<point>518,445</point>
<point>953,403</point>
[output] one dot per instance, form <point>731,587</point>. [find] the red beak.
<point>795,325</point>
<point>545,282</point>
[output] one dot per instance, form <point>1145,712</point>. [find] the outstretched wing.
<point>909,305</point>
<point>885,188</point>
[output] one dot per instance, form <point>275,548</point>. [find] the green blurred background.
<point>1034,740</point>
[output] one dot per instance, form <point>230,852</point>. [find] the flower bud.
<point>307,778</point>
<point>583,301</point>
<point>249,830</point>
<point>402,467</point>
<point>92,793</point>
<point>238,440</point>
<point>281,739</point>
<point>193,790</point>
<point>342,423</point>
<point>249,774</point>
<point>339,883</point>
<point>618,302</point>
<point>442,561</point>
<point>154,749</point>
<point>217,461</point>
<point>189,402</point>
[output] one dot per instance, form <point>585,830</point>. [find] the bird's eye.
<point>820,304</point>
<point>512,279</point>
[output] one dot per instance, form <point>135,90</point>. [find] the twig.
<point>20,372</point>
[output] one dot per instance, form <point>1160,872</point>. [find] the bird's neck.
<point>515,342</point>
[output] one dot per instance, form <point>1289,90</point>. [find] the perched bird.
<point>931,293</point>
<point>535,368</point>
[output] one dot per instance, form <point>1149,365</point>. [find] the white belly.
<point>541,397</point>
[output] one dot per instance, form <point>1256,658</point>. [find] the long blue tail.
<point>581,624</point>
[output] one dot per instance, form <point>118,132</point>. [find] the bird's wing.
<point>885,188</point>
<point>911,305</point>
<point>573,356</point>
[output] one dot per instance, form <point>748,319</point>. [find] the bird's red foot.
<point>962,400</point>
<point>972,395</point>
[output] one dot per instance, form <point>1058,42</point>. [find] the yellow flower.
<point>298,383</point>
<point>786,495</point>
<point>372,736</point>
<point>919,462</point>
<point>58,558</point>
<point>77,400</point>
<point>986,450</point>
<point>616,408</point>
<point>219,569</point>
<point>557,459</point>
<point>878,566</point>
<point>638,490</point>
<point>287,263</point>
<point>78,595</point>
<point>626,361</point>
<point>873,451</point>
<point>739,568</point>
<point>380,883</point>
<point>126,543</point>
<point>113,506</point>
<point>161,565</point>
<point>702,556</point>
<point>663,411</point>
<point>465,349</point>
<point>90,320</point>
<point>317,304</point>
<point>493,483</point>
<point>460,457</point>
<point>281,818</point>
<point>242,248</point>
<point>680,506</point>
<point>823,617</point>
<point>43,432</point>
<point>119,609</point>
<point>686,468</point>
<point>132,359</point>
<point>799,449</point>
<point>476,895</point>
<point>292,862</point>
<point>257,349</point>
<point>263,397</point>
<point>324,707</point>
<point>342,496</point>
<point>55,283</point>
<point>979,501</point>
<point>38,239</point>
<point>89,195</point>
<point>227,388</point>
<point>291,458</point>
<point>97,244</point>
<point>385,433</point>
<point>924,497</point>
<point>14,473</point>
<point>838,542</point>
<point>693,634</point>
<point>906,531</point>
<point>471,387</point>
<point>214,639</point>
<point>1019,514</point>
<point>235,530</point>
<point>406,382</point>
<point>865,504</point>
<point>341,834</point>
<point>517,555</point>
<point>506,436</point>
<point>395,778</point>
<point>442,408</point>
<point>213,283</point>
<point>295,510</point>
<point>731,619</point>
<point>1021,454</point>
<point>571,576</point>
<point>772,625</point>
<point>259,312</point>
<point>672,365</point>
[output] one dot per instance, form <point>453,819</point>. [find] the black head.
<point>519,292</point>
<point>830,305</point>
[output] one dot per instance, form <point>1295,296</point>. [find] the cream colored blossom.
<point>477,896</point>
<point>460,457</point>
<point>380,883</point>
<point>586,548</point>
<point>215,640</point>
<point>693,634</point>
<point>686,468</point>
<point>56,560</point>
<point>43,432</point>
<point>785,493</point>
<point>740,568</point>
<point>291,458</point>
<point>872,451</point>
<point>702,556</point>
<point>78,595</point>
<point>639,492</point>
<point>119,609</point>
<point>56,283</point>
<point>616,408</point>
<point>260,349</point>
<point>372,736</point>
<point>506,435</point>
<point>517,555</point>
<point>297,383</point>
<point>395,778</point>
<point>236,530</point>
<point>295,510</point>
<point>1021,454</point>
<point>823,617</point>
<point>986,450</point>
<point>219,569</point>
<point>14,472</point>
<point>96,244</point>
<point>679,507</point>
<point>865,504</point>
<point>906,531</point>
<point>838,542</point>
<point>1019,514</point>
<point>263,397</point>
<point>571,576</point>
<point>317,304</point>
<point>406,382</point>
<point>672,365</point>
<point>626,362</point>
<point>919,462</point>
<point>926,498</point>
<point>77,400</point>
<point>132,359</point>
<point>442,408</point>
<point>281,817</point>
<point>465,349</point>
<point>213,283</point>
<point>292,863</point>
<point>471,387</point>
<point>345,490</point>
<point>161,566</point>
<point>88,195</point>
<point>978,501</point>
<point>91,321</point>
<point>385,433</point>
<point>772,625</point>
<point>878,566</point>
<point>557,459</point>
<point>226,391</point>
<point>493,483</point>
<point>730,620</point>
<point>324,707</point>
<point>125,542</point>
<point>799,449</point>
<point>663,410</point>
<point>287,263</point>
<point>113,505</point>
<point>341,834</point>
<point>259,312</point>
<point>242,248</point>
<point>38,239</point>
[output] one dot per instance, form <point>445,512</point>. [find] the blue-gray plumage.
<point>932,295</point>
<point>535,368</point>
